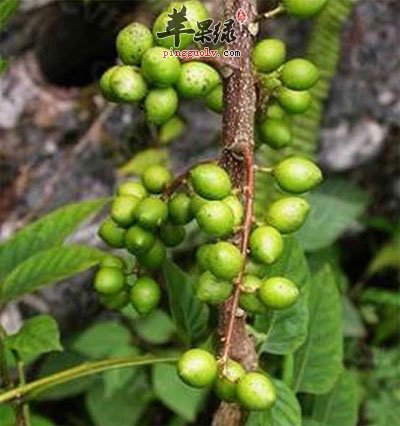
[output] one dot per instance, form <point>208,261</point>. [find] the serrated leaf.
<point>189,314</point>
<point>285,412</point>
<point>37,336</point>
<point>48,267</point>
<point>143,160</point>
<point>176,395</point>
<point>318,362</point>
<point>335,205</point>
<point>47,232</point>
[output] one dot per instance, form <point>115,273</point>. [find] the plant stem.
<point>86,369</point>
<point>23,416</point>
<point>272,13</point>
<point>287,374</point>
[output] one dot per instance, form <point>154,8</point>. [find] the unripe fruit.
<point>288,214</point>
<point>197,79</point>
<point>278,293</point>
<point>293,101</point>
<point>196,203</point>
<point>112,234</point>
<point>127,84</point>
<point>138,240</point>
<point>275,132</point>
<point>266,244</point>
<point>105,84</point>
<point>115,301</point>
<point>145,295</point>
<point>268,55</point>
<point>171,130</point>
<point>251,303</point>
<point>160,105</point>
<point>255,268</point>
<point>158,70</point>
<point>123,209</point>
<point>251,283</point>
<point>215,99</point>
<point>236,206</point>
<point>215,218</point>
<point>299,74</point>
<point>132,42</point>
<point>109,280</point>
<point>151,213</point>
<point>303,8</point>
<point>297,175</point>
<point>134,189</point>
<point>156,178</point>
<point>172,235</point>
<point>195,12</point>
<point>179,209</point>
<point>155,257</point>
<point>211,290</point>
<point>112,262</point>
<point>225,260</point>
<point>256,392</point>
<point>202,255</point>
<point>275,111</point>
<point>210,181</point>
<point>225,385</point>
<point>197,368</point>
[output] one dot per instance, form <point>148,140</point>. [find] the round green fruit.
<point>215,218</point>
<point>288,214</point>
<point>225,385</point>
<point>303,8</point>
<point>197,79</point>
<point>275,111</point>
<point>151,213</point>
<point>255,268</point>
<point>236,206</point>
<point>202,255</point>
<point>299,74</point>
<point>123,209</point>
<point>127,84</point>
<point>160,105</point>
<point>196,203</point>
<point>105,84</point>
<point>145,295</point>
<point>294,102</point>
<point>278,293</point>
<point>210,181</point>
<point>197,368</point>
<point>266,244</point>
<point>115,301</point>
<point>172,235</point>
<point>111,261</point>
<point>255,391</point>
<point>138,240</point>
<point>112,234</point>
<point>155,257</point>
<point>251,303</point>
<point>225,260</point>
<point>251,283</point>
<point>215,99</point>
<point>134,189</point>
<point>211,290</point>
<point>159,69</point>
<point>275,132</point>
<point>132,42</point>
<point>156,179</point>
<point>179,209</point>
<point>171,130</point>
<point>109,280</point>
<point>269,55</point>
<point>297,175</point>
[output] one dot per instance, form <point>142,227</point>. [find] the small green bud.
<point>138,240</point>
<point>215,218</point>
<point>278,293</point>
<point>111,261</point>
<point>145,295</point>
<point>251,303</point>
<point>156,179</point>
<point>134,189</point>
<point>112,234</point>
<point>211,290</point>
<point>268,55</point>
<point>225,260</point>
<point>288,214</point>
<point>275,132</point>
<point>132,42</point>
<point>160,70</point>
<point>225,385</point>
<point>197,79</point>
<point>210,181</point>
<point>299,74</point>
<point>155,257</point>
<point>123,209</point>
<point>266,244</point>
<point>294,102</point>
<point>179,209</point>
<point>160,105</point>
<point>171,130</point>
<point>151,213</point>
<point>251,283</point>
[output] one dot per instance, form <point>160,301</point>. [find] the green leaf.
<point>7,9</point>
<point>285,412</point>
<point>335,205</point>
<point>387,257</point>
<point>143,160</point>
<point>156,328</point>
<point>340,406</point>
<point>37,336</point>
<point>318,362</point>
<point>176,395</point>
<point>3,64</point>
<point>47,232</point>
<point>189,314</point>
<point>7,417</point>
<point>352,322</point>
<point>48,267</point>
<point>381,296</point>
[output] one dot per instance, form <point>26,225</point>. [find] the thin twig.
<point>271,14</point>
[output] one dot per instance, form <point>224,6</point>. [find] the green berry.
<point>115,301</point>
<point>276,133</point>
<point>179,209</point>
<point>197,79</point>
<point>155,257</point>
<point>299,74</point>
<point>225,260</point>
<point>171,130</point>
<point>288,214</point>
<point>134,189</point>
<point>303,8</point>
<point>151,213</point>
<point>123,209</point>
<point>266,244</point>
<point>236,206</point>
<point>105,84</point>
<point>268,55</point>
<point>156,178</point>
<point>255,268</point>
<point>293,101</point>
<point>145,295</point>
<point>202,256</point>
<point>275,111</point>
<point>172,235</point>
<point>278,293</point>
<point>112,262</point>
<point>251,303</point>
<point>160,105</point>
<point>109,280</point>
<point>160,70</point>
<point>215,218</point>
<point>127,84</point>
<point>225,385</point>
<point>215,99</point>
<point>132,42</point>
<point>138,240</point>
<point>251,283</point>
<point>210,181</point>
<point>112,234</point>
<point>297,175</point>
<point>211,290</point>
<point>197,368</point>
<point>255,391</point>
<point>196,203</point>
